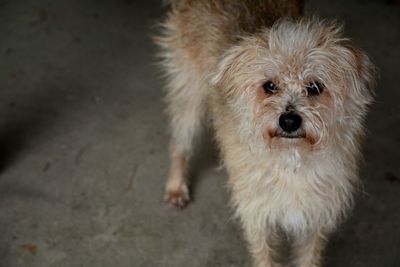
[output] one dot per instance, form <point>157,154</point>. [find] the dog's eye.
<point>270,87</point>
<point>314,88</point>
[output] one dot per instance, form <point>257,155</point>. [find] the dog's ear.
<point>364,78</point>
<point>227,65</point>
<point>234,63</point>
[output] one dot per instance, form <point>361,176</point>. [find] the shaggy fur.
<point>218,56</point>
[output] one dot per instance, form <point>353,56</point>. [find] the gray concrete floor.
<point>83,144</point>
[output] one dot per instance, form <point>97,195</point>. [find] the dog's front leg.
<point>308,249</point>
<point>263,246</point>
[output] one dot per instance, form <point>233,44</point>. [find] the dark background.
<point>83,144</point>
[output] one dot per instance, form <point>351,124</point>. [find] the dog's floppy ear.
<point>227,65</point>
<point>365,73</point>
<point>234,62</point>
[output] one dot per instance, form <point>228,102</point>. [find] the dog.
<point>287,97</point>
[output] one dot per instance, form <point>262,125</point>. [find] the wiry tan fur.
<point>217,54</point>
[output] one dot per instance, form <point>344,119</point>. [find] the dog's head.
<point>297,84</point>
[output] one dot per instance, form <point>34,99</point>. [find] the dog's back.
<point>202,29</point>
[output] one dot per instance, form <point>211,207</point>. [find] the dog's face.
<point>296,85</point>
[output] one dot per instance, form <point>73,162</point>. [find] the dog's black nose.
<point>290,122</point>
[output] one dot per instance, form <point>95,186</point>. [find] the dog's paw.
<point>178,197</point>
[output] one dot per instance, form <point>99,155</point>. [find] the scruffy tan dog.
<point>287,98</point>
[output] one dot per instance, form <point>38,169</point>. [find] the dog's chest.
<point>290,193</point>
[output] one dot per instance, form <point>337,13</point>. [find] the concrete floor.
<point>84,149</point>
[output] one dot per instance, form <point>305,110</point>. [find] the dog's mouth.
<point>293,135</point>
<point>298,137</point>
